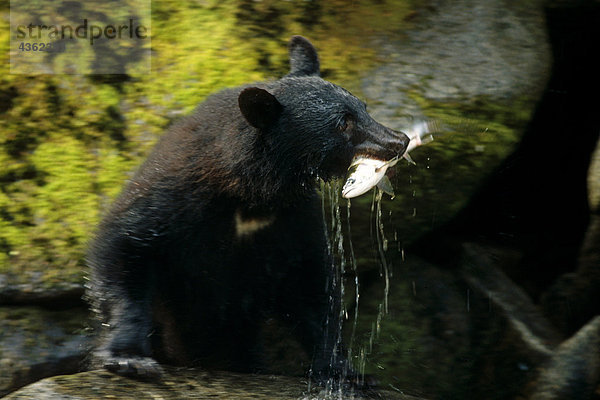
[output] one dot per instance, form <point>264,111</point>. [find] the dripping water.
<point>378,233</point>
<point>341,260</point>
<point>382,245</point>
<point>332,224</point>
<point>361,366</point>
<point>344,265</point>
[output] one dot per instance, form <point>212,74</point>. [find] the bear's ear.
<point>304,60</point>
<point>259,107</point>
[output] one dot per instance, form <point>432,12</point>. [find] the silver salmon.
<point>365,173</point>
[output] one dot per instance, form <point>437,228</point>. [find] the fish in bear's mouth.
<point>366,172</point>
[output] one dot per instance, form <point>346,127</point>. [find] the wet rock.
<point>478,68</point>
<point>569,370</point>
<point>421,344</point>
<point>452,333</point>
<point>481,268</point>
<point>39,292</point>
<point>540,208</point>
<point>575,297</point>
<point>593,181</point>
<point>574,370</point>
<point>468,331</point>
<point>36,343</point>
<point>462,50</point>
<point>517,338</point>
<point>185,384</point>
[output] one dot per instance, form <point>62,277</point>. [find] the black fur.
<point>304,60</point>
<point>221,227</point>
<point>260,108</point>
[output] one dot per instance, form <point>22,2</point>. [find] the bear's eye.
<point>343,124</point>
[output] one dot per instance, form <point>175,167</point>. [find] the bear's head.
<point>314,126</point>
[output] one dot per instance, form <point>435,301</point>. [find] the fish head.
<point>363,174</point>
<point>379,149</point>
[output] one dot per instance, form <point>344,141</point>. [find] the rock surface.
<point>573,299</point>
<point>36,292</point>
<point>593,181</point>
<point>573,372</point>
<point>460,51</point>
<point>185,384</point>
<point>478,68</point>
<point>469,331</point>
<point>36,343</point>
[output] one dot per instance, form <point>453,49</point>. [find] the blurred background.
<point>480,279</point>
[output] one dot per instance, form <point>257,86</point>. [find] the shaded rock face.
<point>593,182</point>
<point>471,48</point>
<point>575,296</point>
<point>537,200</point>
<point>39,342</point>
<point>463,51</point>
<point>533,224</point>
<point>574,370</point>
<point>470,331</point>
<point>506,296</point>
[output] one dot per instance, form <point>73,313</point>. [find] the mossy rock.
<point>187,384</point>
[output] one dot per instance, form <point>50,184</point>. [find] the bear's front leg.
<point>311,295</point>
<point>316,314</point>
<point>325,335</point>
<point>126,347</point>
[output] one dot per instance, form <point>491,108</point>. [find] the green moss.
<point>68,142</point>
<point>482,134</point>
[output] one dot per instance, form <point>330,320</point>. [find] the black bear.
<point>222,227</point>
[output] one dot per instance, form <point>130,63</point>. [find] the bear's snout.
<point>383,143</point>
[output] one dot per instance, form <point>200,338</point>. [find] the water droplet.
<point>523,366</point>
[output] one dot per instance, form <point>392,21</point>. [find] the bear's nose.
<point>395,141</point>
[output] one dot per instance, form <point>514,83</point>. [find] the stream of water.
<point>346,277</point>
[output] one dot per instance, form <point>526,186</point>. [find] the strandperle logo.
<point>83,31</point>
<point>80,37</point>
